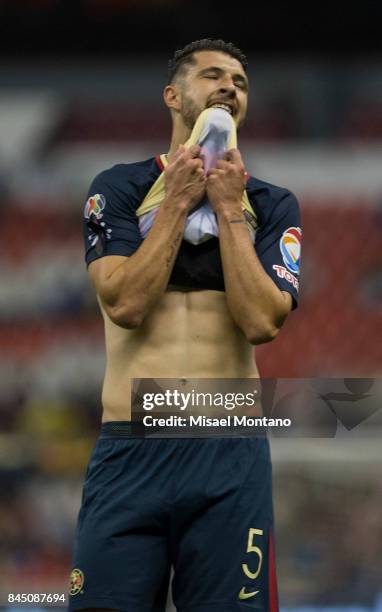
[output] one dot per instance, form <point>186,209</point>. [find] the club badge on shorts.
<point>77,580</point>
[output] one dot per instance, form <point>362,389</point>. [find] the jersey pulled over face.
<point>111,227</point>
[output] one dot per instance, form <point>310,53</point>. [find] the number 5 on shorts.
<point>251,548</point>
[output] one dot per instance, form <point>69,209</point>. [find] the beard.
<point>189,111</point>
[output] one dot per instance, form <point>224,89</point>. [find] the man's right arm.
<point>130,286</point>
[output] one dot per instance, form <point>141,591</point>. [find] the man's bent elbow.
<point>124,317</point>
<point>261,335</point>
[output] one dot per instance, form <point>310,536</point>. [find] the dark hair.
<point>184,56</point>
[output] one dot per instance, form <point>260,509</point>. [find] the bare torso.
<point>189,334</point>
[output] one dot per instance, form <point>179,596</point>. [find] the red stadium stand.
<point>335,330</point>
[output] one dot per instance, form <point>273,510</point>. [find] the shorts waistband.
<point>122,429</point>
<point>136,429</point>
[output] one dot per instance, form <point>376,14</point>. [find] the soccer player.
<point>185,292</point>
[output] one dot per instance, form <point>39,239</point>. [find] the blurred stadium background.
<point>80,90</point>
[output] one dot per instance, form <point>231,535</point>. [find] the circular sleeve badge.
<point>290,247</point>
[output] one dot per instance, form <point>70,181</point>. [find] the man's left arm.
<point>257,305</point>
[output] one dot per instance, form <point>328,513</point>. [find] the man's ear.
<point>172,97</point>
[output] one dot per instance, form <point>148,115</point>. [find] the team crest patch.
<point>94,206</point>
<point>98,232</point>
<point>290,246</point>
<point>77,580</point>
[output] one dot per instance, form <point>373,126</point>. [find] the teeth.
<point>223,106</point>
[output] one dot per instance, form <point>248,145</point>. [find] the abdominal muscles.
<point>187,335</point>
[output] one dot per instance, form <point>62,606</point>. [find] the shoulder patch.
<point>94,206</point>
<point>98,232</point>
<point>290,247</point>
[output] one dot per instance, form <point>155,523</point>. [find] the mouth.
<point>224,105</point>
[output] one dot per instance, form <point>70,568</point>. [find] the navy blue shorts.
<point>202,506</point>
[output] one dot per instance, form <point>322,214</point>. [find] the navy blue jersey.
<point>111,228</point>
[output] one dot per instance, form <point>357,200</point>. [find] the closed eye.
<point>241,84</point>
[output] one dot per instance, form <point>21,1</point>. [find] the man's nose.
<point>227,88</point>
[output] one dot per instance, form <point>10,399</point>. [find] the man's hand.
<point>130,287</point>
<point>185,182</point>
<point>226,183</point>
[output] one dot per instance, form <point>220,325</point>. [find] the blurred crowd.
<point>329,531</point>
